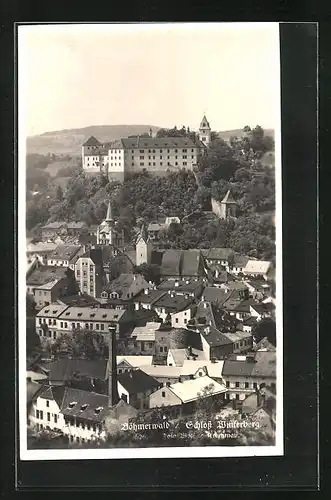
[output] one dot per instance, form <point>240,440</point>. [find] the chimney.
<point>146,291</point>
<point>207,330</point>
<point>112,368</point>
<point>205,305</point>
<point>176,283</point>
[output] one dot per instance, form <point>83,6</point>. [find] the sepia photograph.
<point>150,240</point>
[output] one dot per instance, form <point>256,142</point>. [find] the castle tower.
<point>228,206</point>
<point>108,232</point>
<point>144,247</point>
<point>205,131</point>
<point>112,368</point>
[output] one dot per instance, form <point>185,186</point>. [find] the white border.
<point>167,452</point>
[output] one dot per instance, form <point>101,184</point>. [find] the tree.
<point>265,328</point>
<point>80,344</point>
<point>151,272</point>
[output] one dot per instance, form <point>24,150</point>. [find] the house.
<point>49,292</point>
<point>199,368</point>
<point>54,320</point>
<point>239,287</point>
<point>243,309</point>
<point>125,288</point>
<point>264,345</point>
<point>171,220</point>
<point>177,357</point>
<point>40,250</point>
<point>183,264</point>
<point>163,373</point>
<point>219,256</point>
<point>65,256</point>
<point>190,287</point>
<point>149,340</point>
<point>81,300</point>
<point>183,396</point>
<point>135,387</point>
<point>153,230</point>
<point>89,272</point>
<point>126,363</point>
<point>179,307</point>
<point>215,295</point>
<point>46,274</point>
<point>78,414</point>
<point>258,288</point>
<point>249,324</point>
<point>238,264</point>
<point>53,229</point>
<point>63,370</point>
<point>260,268</point>
<point>147,298</point>
<point>76,228</point>
<point>244,374</point>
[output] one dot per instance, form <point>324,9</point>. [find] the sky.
<point>72,76</point>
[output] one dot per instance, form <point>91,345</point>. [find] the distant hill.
<point>69,141</point>
<point>226,134</point>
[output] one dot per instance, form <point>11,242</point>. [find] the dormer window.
<point>47,311</point>
<point>79,314</point>
<point>72,404</point>
<point>99,409</point>
<point>83,407</point>
<point>104,315</point>
<point>92,315</point>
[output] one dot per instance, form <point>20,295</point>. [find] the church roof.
<point>228,198</point>
<point>204,122</point>
<point>109,215</point>
<point>92,141</point>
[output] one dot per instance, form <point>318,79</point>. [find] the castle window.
<point>149,163</point>
<point>184,162</point>
<point>192,150</point>
<point>184,156</point>
<point>141,157</point>
<point>153,150</point>
<point>149,157</point>
<point>132,151</point>
<point>168,163</point>
<point>160,150</point>
<point>184,150</point>
<point>154,163</point>
<point>149,151</point>
<point>160,162</point>
<point>168,150</point>
<point>153,157</point>
<point>141,163</point>
<point>160,157</point>
<point>176,150</point>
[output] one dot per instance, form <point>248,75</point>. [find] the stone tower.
<point>144,247</point>
<point>228,206</point>
<point>205,131</point>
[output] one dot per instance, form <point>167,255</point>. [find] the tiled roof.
<point>89,405</point>
<point>76,225</point>
<point>82,300</point>
<point>214,337</point>
<point>245,305</point>
<point>63,369</point>
<point>54,225</point>
<point>240,260</point>
<point>158,143</point>
<point>92,141</point>
<point>180,285</point>
<point>257,266</point>
<point>191,262</point>
<point>173,303</point>
<point>92,313</point>
<point>95,254</point>
<point>53,310</point>
<point>214,294</point>
<point>64,252</point>
<point>264,365</point>
<point>137,381</point>
<point>171,263</point>
<point>162,371</point>
<point>191,390</point>
<point>219,254</point>
<point>49,285</point>
<point>150,297</point>
<point>135,361</point>
<point>146,332</point>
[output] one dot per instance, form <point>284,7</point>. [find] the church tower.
<point>205,131</point>
<point>108,233</point>
<point>144,247</point>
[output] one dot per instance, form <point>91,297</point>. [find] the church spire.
<point>109,217</point>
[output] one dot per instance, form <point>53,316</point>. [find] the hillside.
<point>70,141</point>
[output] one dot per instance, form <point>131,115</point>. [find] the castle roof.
<point>228,198</point>
<point>159,142</point>
<point>92,141</point>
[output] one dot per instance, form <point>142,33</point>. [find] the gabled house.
<point>65,256</point>
<point>124,288</point>
<point>258,268</point>
<point>135,387</point>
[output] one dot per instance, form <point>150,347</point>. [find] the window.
<point>54,335</point>
<point>184,150</point>
<point>54,322</point>
<point>102,326</point>
<point>39,321</point>
<point>176,163</point>
<point>246,385</point>
<point>141,157</point>
<point>49,321</point>
<point>255,385</point>
<point>185,321</point>
<point>85,283</point>
<point>141,150</point>
<point>47,403</point>
<point>163,394</point>
<point>41,415</point>
<point>237,384</point>
<point>78,273</point>
<point>176,320</point>
<point>176,157</point>
<point>48,417</point>
<point>227,383</point>
<point>184,162</point>
<point>84,274</point>
<point>65,324</point>
<point>37,414</point>
<point>141,163</point>
<point>237,397</point>
<point>97,326</point>
<point>176,150</point>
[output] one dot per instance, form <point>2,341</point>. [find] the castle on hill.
<point>156,155</point>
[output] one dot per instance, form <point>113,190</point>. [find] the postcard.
<point>150,240</point>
